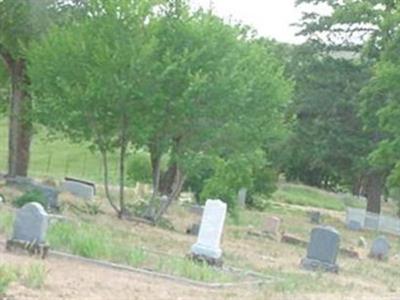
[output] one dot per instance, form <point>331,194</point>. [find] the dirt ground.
<point>68,279</point>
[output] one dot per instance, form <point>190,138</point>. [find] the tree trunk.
<point>374,185</point>
<point>155,158</point>
<point>106,183</point>
<point>20,125</point>
<point>167,180</point>
<point>177,186</point>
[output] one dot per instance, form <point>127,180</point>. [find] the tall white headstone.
<point>211,228</point>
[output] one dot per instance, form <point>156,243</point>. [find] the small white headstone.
<point>31,223</point>
<point>211,228</point>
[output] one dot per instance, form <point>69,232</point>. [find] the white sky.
<point>271,18</point>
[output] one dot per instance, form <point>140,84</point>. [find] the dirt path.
<point>67,279</point>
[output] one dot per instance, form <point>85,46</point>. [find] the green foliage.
<point>31,196</point>
<point>7,275</point>
<point>251,172</point>
<point>327,146</point>
<point>139,168</point>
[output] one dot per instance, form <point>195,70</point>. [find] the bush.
<point>31,196</point>
<point>251,172</point>
<point>139,168</point>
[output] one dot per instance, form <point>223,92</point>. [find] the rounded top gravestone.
<point>31,223</point>
<point>380,248</point>
<point>324,244</point>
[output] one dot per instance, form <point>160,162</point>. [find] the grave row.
<point>32,221</point>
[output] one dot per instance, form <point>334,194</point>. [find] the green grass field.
<point>302,195</point>
<point>59,158</point>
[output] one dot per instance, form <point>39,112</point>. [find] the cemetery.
<point>199,149</point>
<point>222,259</point>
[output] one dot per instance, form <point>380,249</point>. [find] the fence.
<point>373,221</point>
<point>60,158</point>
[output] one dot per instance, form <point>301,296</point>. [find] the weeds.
<point>35,276</point>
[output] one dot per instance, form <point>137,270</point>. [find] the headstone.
<point>371,221</point>
<point>50,193</point>
<point>242,197</point>
<point>354,225</point>
<point>210,234</point>
<point>193,229</point>
<point>196,209</point>
<point>80,188</point>
<point>380,248</point>
<point>322,250</point>
<point>30,224</point>
<point>315,217</point>
<point>272,225</point>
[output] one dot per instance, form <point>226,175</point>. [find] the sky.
<point>271,18</point>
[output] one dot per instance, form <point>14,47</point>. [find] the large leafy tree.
<point>358,29</point>
<point>22,22</point>
<point>91,80</point>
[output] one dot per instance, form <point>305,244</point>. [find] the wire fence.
<point>59,159</point>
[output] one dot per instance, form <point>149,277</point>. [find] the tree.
<point>327,147</point>
<point>22,22</point>
<point>359,28</point>
<point>230,103</point>
<point>97,70</point>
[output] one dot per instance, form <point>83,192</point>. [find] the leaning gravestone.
<point>80,188</point>
<point>242,197</point>
<point>207,247</point>
<point>322,250</point>
<point>380,248</point>
<point>30,227</point>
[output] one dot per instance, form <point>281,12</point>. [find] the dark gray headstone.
<point>354,225</point>
<point>31,223</point>
<point>380,248</point>
<point>50,193</point>
<point>323,249</point>
<point>315,217</point>
<point>193,229</point>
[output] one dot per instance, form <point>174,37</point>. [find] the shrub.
<point>139,168</point>
<point>31,196</point>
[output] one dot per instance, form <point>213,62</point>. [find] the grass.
<point>6,222</point>
<point>99,242</point>
<point>8,274</point>
<point>59,158</point>
<point>312,197</point>
<point>35,276</point>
